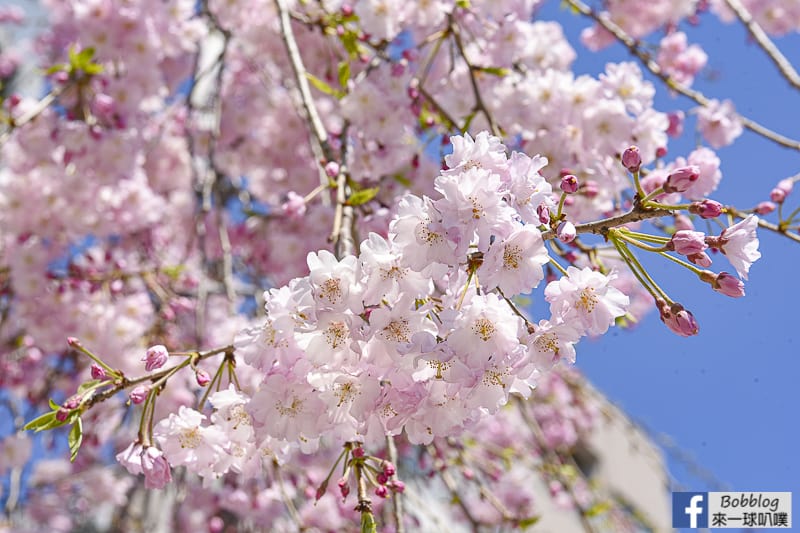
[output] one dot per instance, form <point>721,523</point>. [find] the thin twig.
<point>479,104</point>
<point>766,44</point>
<point>397,500</point>
<point>601,227</point>
<point>764,224</point>
<point>647,60</point>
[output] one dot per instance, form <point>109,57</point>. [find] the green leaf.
<point>320,85</point>
<point>363,196</point>
<point>58,67</point>
<point>53,405</point>
<point>173,271</point>
<point>344,74</point>
<point>350,42</point>
<point>75,439</point>
<point>368,524</point>
<point>528,522</point>
<point>597,509</point>
<point>463,4</point>
<point>402,180</point>
<point>500,72</point>
<point>44,422</point>
<point>88,385</point>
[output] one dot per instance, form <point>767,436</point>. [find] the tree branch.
<point>646,59</point>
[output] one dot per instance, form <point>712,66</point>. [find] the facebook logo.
<point>690,509</point>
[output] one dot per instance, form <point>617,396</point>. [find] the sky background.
<point>728,397</point>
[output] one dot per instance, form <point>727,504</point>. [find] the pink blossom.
<point>155,468</point>
<point>719,123</point>
<point>677,319</point>
<point>566,232</point>
<point>631,159</point>
<point>739,243</point>
<point>587,297</point>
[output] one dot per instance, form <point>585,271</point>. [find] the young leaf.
<point>363,196</point>
<point>75,439</point>
<point>39,423</point>
<point>344,74</point>
<point>321,85</point>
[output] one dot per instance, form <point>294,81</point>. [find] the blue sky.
<point>729,396</point>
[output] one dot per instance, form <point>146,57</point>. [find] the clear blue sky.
<point>729,397</point>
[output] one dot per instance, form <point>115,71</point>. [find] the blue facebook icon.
<point>690,509</point>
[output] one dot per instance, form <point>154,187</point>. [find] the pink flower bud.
<point>388,468</point>
<point>661,151</point>
<point>686,242</point>
<point>358,452</point>
<point>73,341</point>
<point>397,486</point>
<point>729,285</point>
<point>344,487</point>
<point>139,393</point>
<point>706,208</point>
<point>202,377</point>
<point>216,524</point>
<point>777,195</point>
<point>544,214</point>
<point>295,205</point>
<point>677,319</point>
<point>632,159</point>
<point>675,127</point>
<point>332,169</point>
<point>381,491</point>
<point>569,184</point>
<point>321,490</point>
<point>62,414</point>
<point>382,478</point>
<point>590,189</point>
<point>700,259</point>
<point>682,222</point>
<point>155,357</point>
<point>681,179</point>
<point>347,10</point>
<point>73,402</point>
<point>765,208</point>
<point>566,232</point>
<point>98,372</point>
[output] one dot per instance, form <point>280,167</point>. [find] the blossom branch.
<point>601,227</point>
<point>647,60</point>
<point>124,383</point>
<point>759,35</point>
<point>777,228</point>
<point>397,501</point>
<point>479,103</point>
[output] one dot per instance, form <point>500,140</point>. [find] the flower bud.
<point>632,159</point>
<point>682,222</point>
<point>706,208</point>
<point>321,490</point>
<point>397,486</point>
<point>73,341</point>
<point>765,208</point>
<point>728,284</point>
<point>155,357</point>
<point>777,195</point>
<point>139,393</point>
<point>544,214</point>
<point>381,491</point>
<point>358,452</point>
<point>700,259</point>
<point>681,179</point>
<point>98,372</point>
<point>677,318</point>
<point>590,189</point>
<point>687,242</point>
<point>388,468</point>
<point>62,414</point>
<point>569,183</point>
<point>332,169</point>
<point>203,378</point>
<point>382,478</point>
<point>566,232</point>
